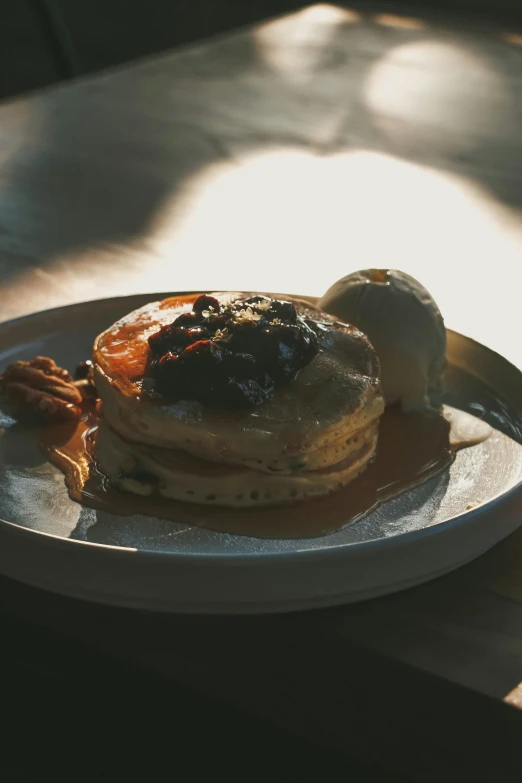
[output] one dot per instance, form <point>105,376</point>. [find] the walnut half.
<point>42,387</point>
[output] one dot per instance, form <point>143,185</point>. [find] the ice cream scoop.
<point>405,326</point>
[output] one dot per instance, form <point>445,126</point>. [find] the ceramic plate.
<point>49,541</point>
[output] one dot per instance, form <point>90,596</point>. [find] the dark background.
<point>46,41</point>
<point>73,715</point>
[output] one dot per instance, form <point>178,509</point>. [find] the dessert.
<point>405,327</point>
<point>235,399</point>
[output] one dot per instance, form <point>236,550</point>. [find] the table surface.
<point>281,158</point>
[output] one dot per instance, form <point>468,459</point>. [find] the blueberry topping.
<point>231,355</point>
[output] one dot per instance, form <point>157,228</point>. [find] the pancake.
<point>307,424</point>
<point>175,474</point>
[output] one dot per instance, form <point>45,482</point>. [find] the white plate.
<point>49,541</point>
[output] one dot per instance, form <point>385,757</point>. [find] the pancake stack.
<point>308,435</point>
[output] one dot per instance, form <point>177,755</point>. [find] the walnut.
<point>42,387</point>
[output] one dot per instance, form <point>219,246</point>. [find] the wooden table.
<point>281,158</point>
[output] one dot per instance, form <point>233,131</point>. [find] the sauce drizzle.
<point>413,447</point>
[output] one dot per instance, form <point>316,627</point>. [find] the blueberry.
<point>288,334</point>
<point>187,320</point>
<point>218,321</point>
<point>205,302</point>
<point>194,334</point>
<point>206,351</point>
<point>200,362</point>
<point>169,376</point>
<point>285,311</point>
<point>159,341</point>
<point>245,394</point>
